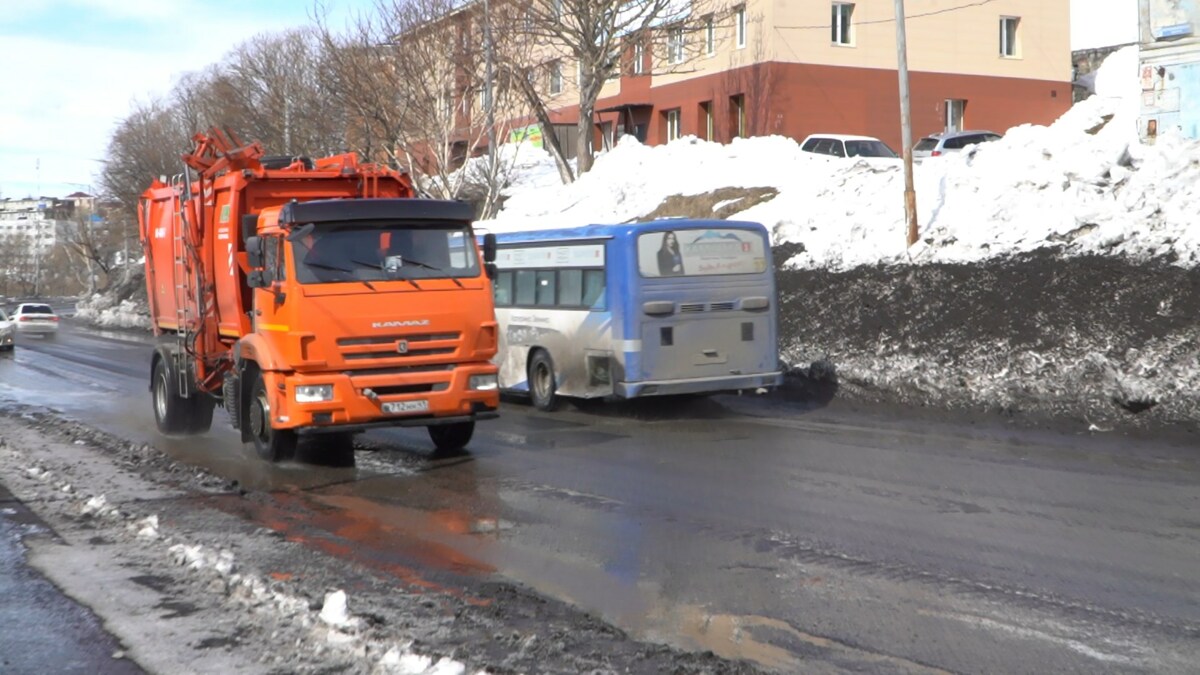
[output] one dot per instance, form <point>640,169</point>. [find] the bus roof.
<point>597,231</point>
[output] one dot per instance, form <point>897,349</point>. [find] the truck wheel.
<point>542,387</point>
<point>170,409</point>
<point>448,438</point>
<point>273,445</point>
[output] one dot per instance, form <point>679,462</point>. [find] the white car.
<point>8,332</point>
<point>36,318</point>
<point>844,145</point>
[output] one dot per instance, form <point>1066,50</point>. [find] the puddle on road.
<point>757,639</point>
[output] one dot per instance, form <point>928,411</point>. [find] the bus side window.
<point>570,288</point>
<point>546,288</point>
<point>526,288</point>
<point>503,289</point>
<point>593,289</point>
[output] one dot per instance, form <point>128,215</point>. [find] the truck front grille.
<point>397,350</point>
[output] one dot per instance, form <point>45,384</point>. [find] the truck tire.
<point>172,412</point>
<point>450,438</point>
<point>273,445</point>
<point>542,387</point>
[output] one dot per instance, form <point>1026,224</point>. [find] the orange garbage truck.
<point>314,297</point>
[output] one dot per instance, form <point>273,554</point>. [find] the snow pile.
<point>254,594</point>
<point>104,309</point>
<point>1084,184</point>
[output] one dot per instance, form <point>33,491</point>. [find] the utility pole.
<point>488,103</point>
<point>910,194</point>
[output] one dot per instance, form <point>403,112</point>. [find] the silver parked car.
<point>36,318</point>
<point>953,141</point>
<point>8,332</point>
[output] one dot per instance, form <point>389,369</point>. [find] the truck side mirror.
<point>256,279</point>
<point>254,252</point>
<point>490,269</point>
<point>489,247</point>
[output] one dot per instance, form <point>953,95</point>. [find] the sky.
<point>70,70</point>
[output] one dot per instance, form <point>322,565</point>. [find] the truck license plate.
<point>395,407</point>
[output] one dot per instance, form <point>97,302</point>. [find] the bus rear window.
<point>704,252</point>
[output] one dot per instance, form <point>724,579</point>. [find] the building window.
<point>710,36</point>
<point>955,111</point>
<point>639,58</point>
<point>843,33</point>
<point>556,79</point>
<point>1008,36</point>
<point>672,124</point>
<point>737,116</point>
<point>675,45</point>
<point>706,120</point>
<point>739,16</point>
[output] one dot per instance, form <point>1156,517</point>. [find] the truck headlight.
<point>314,393</point>
<point>482,383</point>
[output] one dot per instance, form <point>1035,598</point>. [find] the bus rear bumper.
<point>697,385</point>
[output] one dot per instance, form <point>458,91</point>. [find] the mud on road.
<point>153,547</point>
<point>1097,342</point>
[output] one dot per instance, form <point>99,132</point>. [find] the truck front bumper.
<point>357,401</point>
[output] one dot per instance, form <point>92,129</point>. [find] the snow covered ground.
<point>1085,184</point>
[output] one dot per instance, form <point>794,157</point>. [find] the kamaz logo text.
<point>400,324</point>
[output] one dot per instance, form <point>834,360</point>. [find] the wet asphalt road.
<point>840,537</point>
<point>44,631</point>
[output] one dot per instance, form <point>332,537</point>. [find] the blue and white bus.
<point>647,309</point>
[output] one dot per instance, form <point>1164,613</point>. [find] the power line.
<point>944,10</point>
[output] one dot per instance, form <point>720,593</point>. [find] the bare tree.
<point>18,265</point>
<point>147,144</point>
<point>99,244</point>
<point>592,34</point>
<point>412,77</point>
<point>758,82</point>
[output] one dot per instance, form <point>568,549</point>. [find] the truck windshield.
<point>331,253</point>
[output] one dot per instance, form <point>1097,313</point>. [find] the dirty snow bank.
<point>1098,340</point>
<point>106,311</point>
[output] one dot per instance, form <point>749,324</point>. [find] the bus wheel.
<point>542,387</point>
<point>450,438</point>
<point>273,445</point>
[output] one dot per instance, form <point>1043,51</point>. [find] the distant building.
<point>796,67</point>
<point>1169,68</point>
<point>39,220</point>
